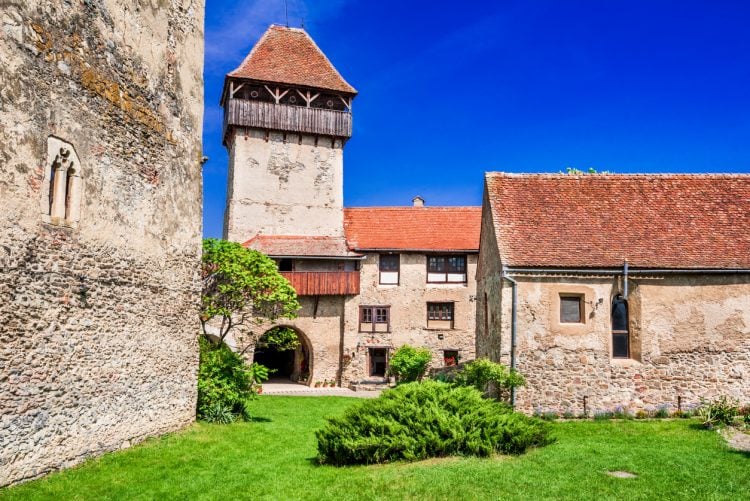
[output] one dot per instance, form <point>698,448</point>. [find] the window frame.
<point>447,271</point>
<point>456,358</point>
<point>373,314</point>
<point>626,332</point>
<point>398,268</point>
<point>581,308</point>
<point>452,309</point>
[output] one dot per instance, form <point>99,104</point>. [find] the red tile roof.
<point>290,56</point>
<point>413,228</point>
<point>300,245</point>
<point>653,221</point>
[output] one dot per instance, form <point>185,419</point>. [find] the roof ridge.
<point>410,207</point>
<point>562,175</point>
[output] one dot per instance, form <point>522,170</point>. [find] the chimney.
<point>417,201</point>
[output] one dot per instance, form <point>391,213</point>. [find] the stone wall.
<point>98,317</point>
<point>689,338</point>
<point>284,184</point>
<point>408,314</point>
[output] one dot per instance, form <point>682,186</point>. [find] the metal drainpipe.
<point>625,280</point>
<point>514,309</point>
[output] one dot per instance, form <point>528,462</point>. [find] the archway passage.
<point>281,363</point>
<point>286,360</point>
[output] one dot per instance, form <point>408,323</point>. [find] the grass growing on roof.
<point>274,458</point>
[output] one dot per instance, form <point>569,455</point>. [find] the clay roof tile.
<point>290,56</point>
<point>413,228</point>
<point>601,220</point>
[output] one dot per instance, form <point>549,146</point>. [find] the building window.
<point>389,269</point>
<point>378,361</point>
<point>446,269</point>
<point>286,264</point>
<point>374,319</point>
<point>450,357</point>
<point>571,309</point>
<point>439,315</point>
<point>620,331</point>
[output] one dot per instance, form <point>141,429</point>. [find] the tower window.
<point>620,330</point>
<point>389,269</point>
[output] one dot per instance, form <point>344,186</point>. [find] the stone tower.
<point>287,116</point>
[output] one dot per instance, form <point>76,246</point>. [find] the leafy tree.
<point>482,374</point>
<point>281,338</point>
<point>241,284</point>
<point>409,363</point>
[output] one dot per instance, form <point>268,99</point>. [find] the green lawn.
<point>274,459</point>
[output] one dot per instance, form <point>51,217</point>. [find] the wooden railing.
<point>264,115</point>
<point>323,283</point>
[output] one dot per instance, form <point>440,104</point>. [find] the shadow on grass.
<point>745,454</point>
<point>260,419</point>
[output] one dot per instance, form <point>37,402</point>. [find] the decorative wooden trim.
<point>287,118</point>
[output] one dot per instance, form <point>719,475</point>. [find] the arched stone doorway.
<point>292,364</point>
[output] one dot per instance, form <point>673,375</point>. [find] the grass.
<point>273,458</point>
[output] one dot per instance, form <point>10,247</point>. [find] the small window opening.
<point>571,309</point>
<point>374,319</point>
<point>450,357</point>
<point>620,330</point>
<point>439,315</point>
<point>286,264</point>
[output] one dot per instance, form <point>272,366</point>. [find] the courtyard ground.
<point>273,458</point>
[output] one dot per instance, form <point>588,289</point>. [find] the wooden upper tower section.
<point>287,84</point>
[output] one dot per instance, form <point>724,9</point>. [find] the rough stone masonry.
<point>100,208</point>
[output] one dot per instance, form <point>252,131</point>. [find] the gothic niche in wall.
<point>62,187</point>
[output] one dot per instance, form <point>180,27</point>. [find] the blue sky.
<point>450,90</point>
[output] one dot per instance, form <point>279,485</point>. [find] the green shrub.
<point>280,338</point>
<point>484,374</point>
<point>662,412</point>
<point>226,383</point>
<point>721,411</point>
<point>430,419</point>
<point>409,363</point>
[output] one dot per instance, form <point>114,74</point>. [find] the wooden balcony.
<point>323,283</point>
<point>283,117</point>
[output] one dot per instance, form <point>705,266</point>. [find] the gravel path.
<point>300,390</point>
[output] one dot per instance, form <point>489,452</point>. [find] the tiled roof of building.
<point>290,56</point>
<point>300,246</point>
<point>413,228</point>
<point>654,221</point>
